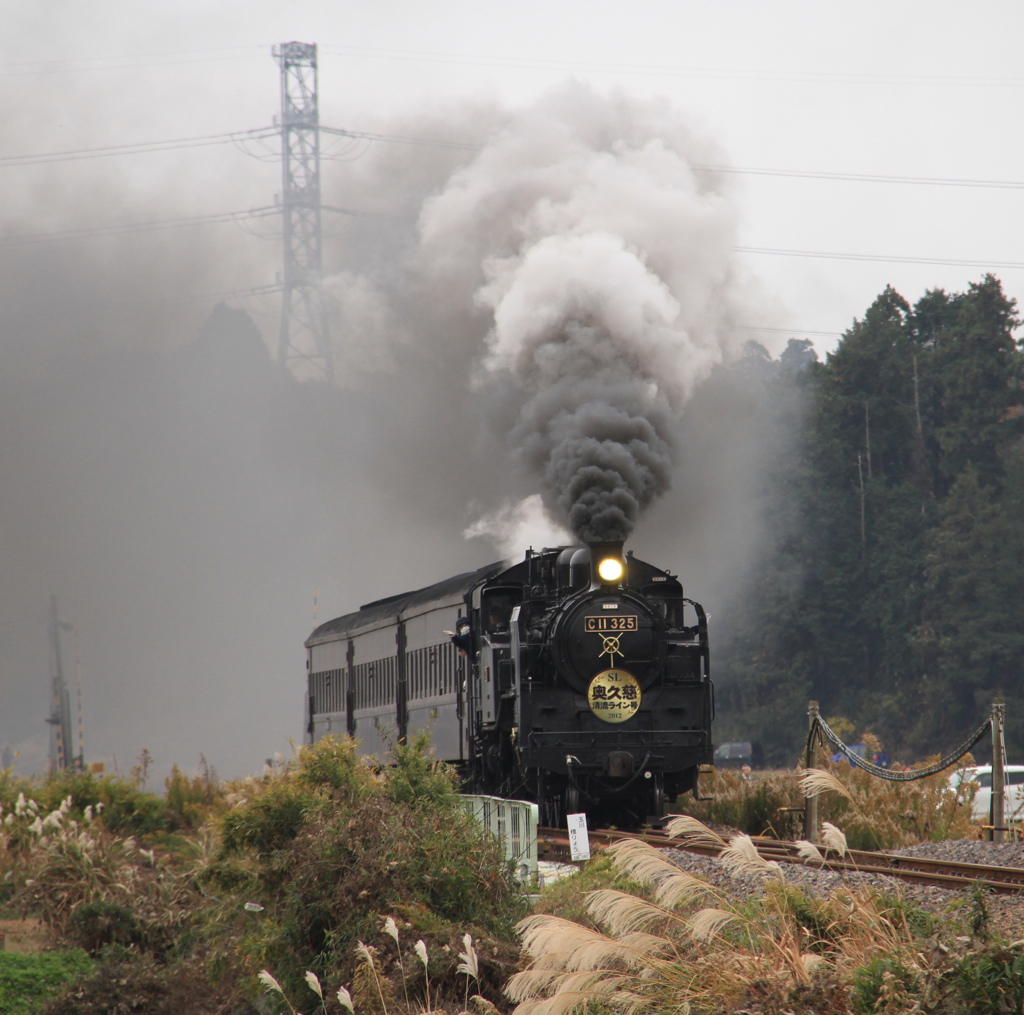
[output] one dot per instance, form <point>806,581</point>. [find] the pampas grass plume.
<point>833,838</point>
<point>708,923</point>
<point>345,1000</point>
<point>391,928</point>
<point>686,827</point>
<point>816,781</point>
<point>623,912</point>
<point>469,965</point>
<point>641,859</point>
<point>314,984</point>
<point>811,961</point>
<point>740,857</point>
<point>268,981</point>
<point>808,850</point>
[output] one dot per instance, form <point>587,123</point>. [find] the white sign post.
<point>579,841</point>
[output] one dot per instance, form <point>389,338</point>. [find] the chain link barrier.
<point>822,728</point>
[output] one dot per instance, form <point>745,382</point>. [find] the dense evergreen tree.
<point>892,584</point>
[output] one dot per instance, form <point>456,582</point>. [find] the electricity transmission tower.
<point>304,333</point>
<point>61,734</point>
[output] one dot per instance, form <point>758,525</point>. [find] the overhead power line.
<point>137,227</point>
<point>134,60</point>
<point>138,148</point>
<point>254,213</point>
<point>265,133</point>
<point>791,331</point>
<point>129,61</point>
<point>230,294</point>
<point>675,70</point>
<point>894,258</point>
<point>398,139</point>
<point>809,174</point>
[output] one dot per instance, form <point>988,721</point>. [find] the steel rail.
<point>553,844</point>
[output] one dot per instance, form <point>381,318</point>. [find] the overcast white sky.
<point>900,89</point>
<point>912,90</point>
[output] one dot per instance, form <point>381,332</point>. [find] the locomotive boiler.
<point>577,677</point>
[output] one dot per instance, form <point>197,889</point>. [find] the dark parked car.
<point>735,754</point>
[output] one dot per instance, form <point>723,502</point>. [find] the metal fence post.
<point>811,802</point>
<point>998,772</point>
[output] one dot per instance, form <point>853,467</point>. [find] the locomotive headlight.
<point>610,569</point>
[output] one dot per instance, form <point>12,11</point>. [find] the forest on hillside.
<point>890,586</point>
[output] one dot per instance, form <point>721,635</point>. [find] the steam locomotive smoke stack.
<point>606,265</point>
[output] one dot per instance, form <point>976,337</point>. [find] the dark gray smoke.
<point>601,447</point>
<point>603,261</point>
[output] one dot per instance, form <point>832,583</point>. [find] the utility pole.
<point>62,732</point>
<point>304,333</point>
<point>998,799</point>
<point>811,802</point>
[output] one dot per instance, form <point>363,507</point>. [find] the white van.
<point>1013,781</point>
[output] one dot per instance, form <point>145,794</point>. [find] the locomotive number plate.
<point>611,622</point>
<point>614,695</point>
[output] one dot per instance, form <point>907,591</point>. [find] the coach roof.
<point>392,606</point>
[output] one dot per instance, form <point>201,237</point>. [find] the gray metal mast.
<point>62,732</point>
<point>304,333</point>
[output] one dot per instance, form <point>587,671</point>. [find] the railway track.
<point>553,844</point>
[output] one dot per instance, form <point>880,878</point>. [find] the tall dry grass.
<point>690,948</point>
<point>874,813</point>
<point>78,877</point>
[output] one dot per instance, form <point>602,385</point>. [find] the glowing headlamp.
<point>610,569</point>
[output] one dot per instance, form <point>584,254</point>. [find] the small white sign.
<point>579,841</point>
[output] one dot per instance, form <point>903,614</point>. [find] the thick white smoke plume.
<point>603,262</point>
<point>515,526</point>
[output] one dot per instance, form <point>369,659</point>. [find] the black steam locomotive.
<point>577,678</point>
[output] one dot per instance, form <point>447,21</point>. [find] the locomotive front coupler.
<point>641,771</point>
<point>620,764</point>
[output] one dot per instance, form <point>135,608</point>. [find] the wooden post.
<point>811,802</point>
<point>998,772</point>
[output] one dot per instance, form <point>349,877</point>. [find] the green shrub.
<point>191,801</point>
<point>884,974</point>
<point>328,845</point>
<point>27,980</point>
<point>567,897</point>
<point>95,926</point>
<point>327,775</point>
<point>126,809</point>
<point>269,821</point>
<point>990,981</point>
<point>334,845</point>
<point>138,985</point>
<point>418,780</point>
<point>332,767</point>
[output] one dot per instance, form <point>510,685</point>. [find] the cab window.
<point>496,610</point>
